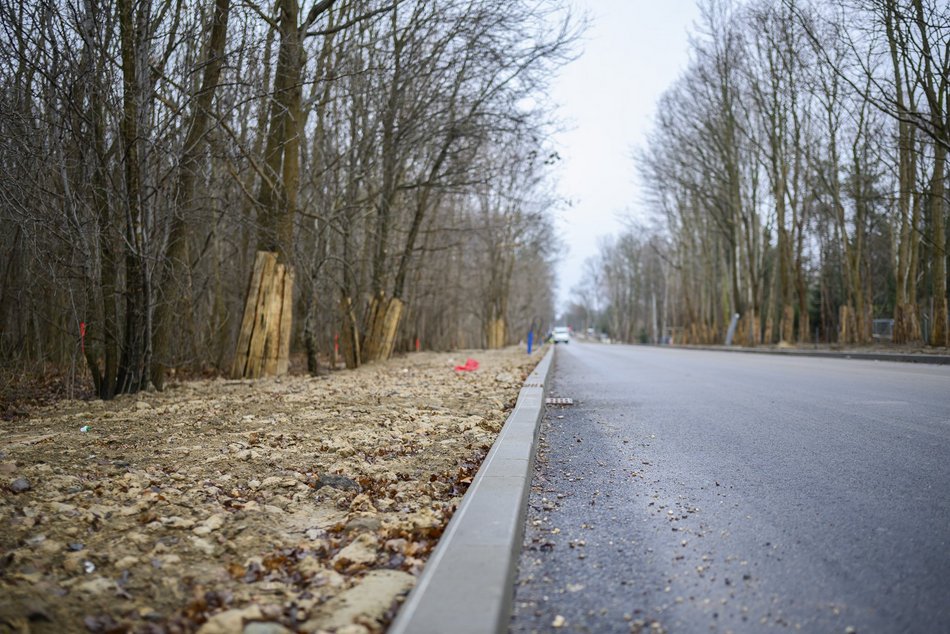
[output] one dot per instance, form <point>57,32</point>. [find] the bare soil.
<point>296,504</point>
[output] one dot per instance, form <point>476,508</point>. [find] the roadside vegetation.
<point>796,177</point>
<point>210,186</point>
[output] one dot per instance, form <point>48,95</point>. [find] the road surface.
<point>695,491</point>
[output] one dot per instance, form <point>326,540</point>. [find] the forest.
<point>219,185</point>
<point>795,179</point>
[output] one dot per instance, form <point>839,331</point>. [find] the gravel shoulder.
<point>295,504</point>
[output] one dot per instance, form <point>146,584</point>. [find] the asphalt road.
<point>695,491</point>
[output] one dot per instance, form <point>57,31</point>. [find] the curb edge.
<point>466,586</point>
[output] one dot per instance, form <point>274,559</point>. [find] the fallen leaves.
<point>284,495</point>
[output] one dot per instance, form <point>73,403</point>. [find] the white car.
<point>561,335</point>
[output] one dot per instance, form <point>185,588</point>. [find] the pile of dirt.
<point>295,504</point>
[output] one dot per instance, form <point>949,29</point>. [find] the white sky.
<point>633,50</point>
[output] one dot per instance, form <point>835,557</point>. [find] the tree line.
<point>390,154</point>
<point>796,176</point>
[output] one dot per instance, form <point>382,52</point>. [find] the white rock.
<point>126,562</point>
<point>203,545</point>
<point>231,621</point>
<point>367,600</point>
<point>271,481</point>
<point>209,524</point>
<point>265,628</point>
<point>177,522</point>
<point>361,550</point>
<point>96,585</point>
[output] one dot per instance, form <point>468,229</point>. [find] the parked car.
<point>561,334</point>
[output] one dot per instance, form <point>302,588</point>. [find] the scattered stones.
<point>185,511</point>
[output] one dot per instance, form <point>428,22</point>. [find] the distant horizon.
<point>606,98</point>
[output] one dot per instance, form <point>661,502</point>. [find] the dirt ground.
<point>296,504</point>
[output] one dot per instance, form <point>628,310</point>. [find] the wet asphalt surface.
<point>693,491</point>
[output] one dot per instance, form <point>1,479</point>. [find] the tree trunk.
<point>175,274</point>
<point>264,348</point>
<point>133,366</point>
<point>906,323</point>
<point>277,196</point>
<point>846,325</point>
<point>310,337</point>
<point>350,335</point>
<point>939,334</point>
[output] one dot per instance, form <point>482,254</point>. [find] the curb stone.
<point>466,586</point>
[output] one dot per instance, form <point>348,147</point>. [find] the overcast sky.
<point>633,50</point>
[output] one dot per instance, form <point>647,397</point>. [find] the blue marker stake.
<point>530,340</point>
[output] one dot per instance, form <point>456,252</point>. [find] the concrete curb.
<point>466,586</point>
<point>940,359</point>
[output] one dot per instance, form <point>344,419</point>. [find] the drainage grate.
<point>533,385</point>
<point>559,401</point>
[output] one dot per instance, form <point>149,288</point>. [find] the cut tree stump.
<point>495,332</point>
<point>263,347</point>
<point>384,316</point>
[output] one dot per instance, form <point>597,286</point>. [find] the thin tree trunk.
<point>939,333</point>
<point>175,272</point>
<point>133,367</point>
